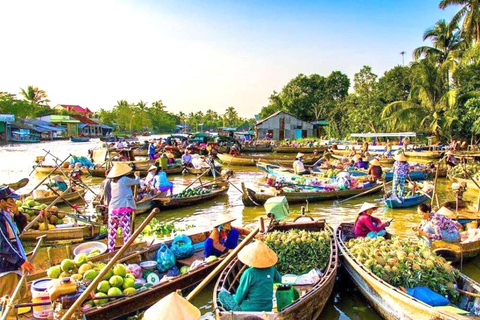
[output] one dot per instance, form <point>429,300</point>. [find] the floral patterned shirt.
<point>401,168</point>
<point>440,223</point>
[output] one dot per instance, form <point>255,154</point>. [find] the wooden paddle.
<point>336,202</point>
<point>22,280</point>
<point>222,264</point>
<point>101,274</point>
<point>419,190</point>
<point>51,172</point>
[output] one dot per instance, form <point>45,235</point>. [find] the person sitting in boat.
<point>298,166</point>
<point>152,150</point>
<point>199,162</point>
<point>147,183</point>
<point>375,170</point>
<point>223,237</point>
<point>234,151</point>
<point>170,157</point>
<point>255,289</point>
<point>161,183</point>
<point>401,170</point>
<point>352,153</point>
<point>343,180</point>
<point>368,226</point>
<point>359,163</point>
<point>451,161</point>
<point>121,144</point>
<point>187,159</point>
<point>58,184</point>
<point>13,262</point>
<point>436,226</point>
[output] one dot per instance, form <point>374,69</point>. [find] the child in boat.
<point>368,226</point>
<point>255,290</point>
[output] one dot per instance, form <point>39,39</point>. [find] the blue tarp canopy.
<point>104,126</point>
<point>43,126</point>
<point>82,125</point>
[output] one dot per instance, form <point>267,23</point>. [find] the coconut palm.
<point>35,96</point>
<point>429,105</point>
<point>231,116</point>
<point>470,13</point>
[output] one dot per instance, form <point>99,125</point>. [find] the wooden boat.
<point>257,149</point>
<point>285,149</point>
<point>470,184</point>
<point>71,235</point>
<point>46,169</point>
<point>414,175</point>
<point>424,154</point>
<point>464,213</point>
<point>79,139</point>
<point>191,170</point>
<point>287,172</point>
<point>140,152</point>
<point>171,169</point>
<point>19,184</point>
<point>380,159</point>
<point>253,198</point>
<point>391,202</point>
<point>307,307</point>
<point>219,187</point>
<point>142,299</point>
<point>392,303</point>
<point>70,196</point>
<point>253,159</point>
<point>457,251</point>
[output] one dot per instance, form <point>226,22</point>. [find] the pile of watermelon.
<point>191,193</point>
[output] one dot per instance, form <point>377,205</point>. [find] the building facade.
<point>282,125</point>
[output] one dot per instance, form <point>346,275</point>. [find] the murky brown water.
<point>17,162</point>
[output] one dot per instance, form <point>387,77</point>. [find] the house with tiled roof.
<point>74,109</point>
<point>88,127</point>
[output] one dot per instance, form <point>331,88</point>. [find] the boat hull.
<point>252,160</point>
<point>406,202</point>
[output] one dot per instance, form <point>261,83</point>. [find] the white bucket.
<point>40,294</point>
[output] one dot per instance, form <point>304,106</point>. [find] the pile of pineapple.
<point>407,263</point>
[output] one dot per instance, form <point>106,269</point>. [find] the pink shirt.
<point>366,223</point>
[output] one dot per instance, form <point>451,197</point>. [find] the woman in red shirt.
<point>368,226</point>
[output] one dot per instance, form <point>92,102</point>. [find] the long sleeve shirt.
<point>161,180</point>
<point>401,168</point>
<point>255,290</point>
<point>366,223</point>
<point>12,254</point>
<point>122,195</point>
<point>441,223</point>
<point>298,166</point>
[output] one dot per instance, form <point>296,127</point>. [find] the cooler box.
<point>285,295</point>
<point>278,206</point>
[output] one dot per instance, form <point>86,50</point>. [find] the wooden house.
<point>282,125</point>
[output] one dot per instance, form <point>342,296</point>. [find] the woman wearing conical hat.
<point>400,173</point>
<point>375,170</point>
<point>122,203</point>
<point>451,161</point>
<point>298,166</point>
<point>223,237</point>
<point>368,226</point>
<point>255,290</point>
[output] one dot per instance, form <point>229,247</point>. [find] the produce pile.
<point>191,193</point>
<point>405,263</point>
<point>299,251</point>
<point>31,209</point>
<point>330,173</point>
<point>473,170</point>
<point>161,229</point>
<point>118,280</point>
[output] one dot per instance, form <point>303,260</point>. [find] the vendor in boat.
<point>375,170</point>
<point>234,151</point>
<point>148,181</point>
<point>199,162</point>
<point>187,159</point>
<point>352,153</point>
<point>298,166</point>
<point>359,163</point>
<point>152,150</point>
<point>401,170</point>
<point>161,183</point>
<point>451,161</point>
<point>436,226</point>
<point>223,237</point>
<point>58,184</point>
<point>122,203</point>
<point>255,289</point>
<point>368,226</point>
<point>13,262</point>
<point>170,157</point>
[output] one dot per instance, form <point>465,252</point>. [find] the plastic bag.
<point>182,247</point>
<point>165,258</point>
<point>428,296</point>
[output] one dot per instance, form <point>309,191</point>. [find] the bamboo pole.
<point>110,264</point>
<point>222,265</point>
<point>336,202</point>
<point>48,175</point>
<point>435,183</point>
<point>22,280</point>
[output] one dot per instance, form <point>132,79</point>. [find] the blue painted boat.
<point>414,175</point>
<point>79,139</point>
<point>406,202</point>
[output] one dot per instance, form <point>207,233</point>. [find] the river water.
<point>345,303</point>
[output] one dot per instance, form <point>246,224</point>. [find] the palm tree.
<point>445,39</point>
<point>470,13</point>
<point>231,116</point>
<point>429,103</point>
<point>35,96</point>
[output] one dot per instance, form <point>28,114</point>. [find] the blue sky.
<point>196,55</point>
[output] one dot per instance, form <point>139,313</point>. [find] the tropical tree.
<point>35,96</point>
<point>231,116</point>
<point>429,106</point>
<point>470,13</point>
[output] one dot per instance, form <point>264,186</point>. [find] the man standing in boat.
<point>13,260</point>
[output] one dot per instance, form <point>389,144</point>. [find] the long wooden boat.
<point>285,149</point>
<point>257,149</point>
<point>253,159</point>
<point>470,184</point>
<point>380,159</point>
<point>143,299</point>
<point>218,187</point>
<point>17,185</point>
<point>191,170</point>
<point>46,169</point>
<point>171,169</point>
<point>70,196</point>
<point>79,139</point>
<point>70,235</point>
<point>457,251</point>
<point>414,175</point>
<point>392,303</point>
<point>424,154</point>
<point>308,306</point>
<point>391,202</point>
<point>253,198</point>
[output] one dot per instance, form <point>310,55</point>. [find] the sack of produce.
<point>182,247</point>
<point>165,258</point>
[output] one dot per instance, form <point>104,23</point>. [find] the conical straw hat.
<point>118,170</point>
<point>258,255</point>
<point>375,162</point>
<point>358,157</point>
<point>224,218</point>
<point>366,206</point>
<point>400,157</point>
<point>446,212</point>
<point>172,307</point>
<point>299,155</point>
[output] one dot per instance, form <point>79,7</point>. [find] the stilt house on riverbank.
<point>282,125</point>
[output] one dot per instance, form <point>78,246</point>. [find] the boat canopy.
<point>377,135</point>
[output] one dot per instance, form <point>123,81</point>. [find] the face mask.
<point>220,228</point>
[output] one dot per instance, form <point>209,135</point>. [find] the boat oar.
<point>419,190</point>
<point>101,274</point>
<point>222,264</point>
<point>336,202</point>
<point>22,280</point>
<point>51,172</point>
<point>197,178</point>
